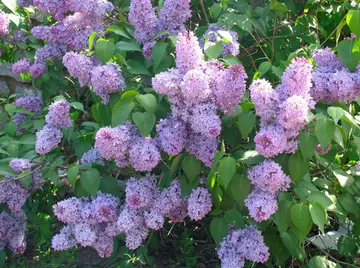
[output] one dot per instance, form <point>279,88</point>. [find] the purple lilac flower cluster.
<point>283,110</point>
<point>12,192</point>
<point>147,206</point>
<point>50,135</point>
<point>196,90</point>
<point>32,104</point>
<point>171,17</point>
<point>89,222</point>
<point>25,3</point>
<point>126,146</point>
<point>71,32</point>
<point>267,179</point>
<point>228,39</point>
<point>332,81</point>
<point>92,156</point>
<point>321,151</point>
<point>94,222</point>
<point>12,231</point>
<point>240,245</point>
<point>105,79</point>
<point>4,23</point>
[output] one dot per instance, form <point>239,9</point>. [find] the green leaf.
<point>244,23</point>
<point>90,181</point>
<point>343,178</point>
<point>77,106</point>
<point>349,53</point>
<point>291,242</point>
<point>336,113</point>
<point>353,20</point>
<point>145,122</point>
<point>234,218</point>
<point>318,214</point>
<point>240,187</point>
<point>148,102</point>
<point>10,108</point>
<point>137,67</point>
<point>158,53</point>
<point>278,7</point>
<point>301,218</point>
<point>118,30</point>
<point>246,122</point>
<point>318,262</point>
<point>104,50</point>
<point>264,68</point>
<point>10,4</point>
<point>110,185</point>
<point>346,245</point>
<point>91,40</point>
<point>128,46</point>
<point>218,229</point>
<point>348,202</point>
<point>29,139</point>
<point>72,175</point>
<point>187,187</point>
<point>282,215</point>
<point>191,167</point>
<point>298,166</point>
<point>325,131</point>
<point>121,111</point>
<point>214,51</point>
<point>307,144</point>
<point>227,169</point>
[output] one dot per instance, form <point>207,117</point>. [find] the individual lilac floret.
<point>327,59</point>
<point>239,245</point>
<point>113,142</point>
<point>79,66</point>
<point>228,39</point>
<point>230,87</point>
<point>321,151</point>
<point>265,99</point>
<point>143,154</point>
<point>37,69</point>
<point>13,194</point>
<point>199,203</point>
<point>4,23</point>
<point>47,139</point>
<point>21,66</point>
<point>268,176</point>
<point>142,16</point>
<point>261,205</point>
<point>171,135</point>
<point>107,79</point>
<point>20,164</point>
<point>58,115</point>
<point>92,156</point>
<point>140,192</point>
<point>188,52</point>
<point>174,14</point>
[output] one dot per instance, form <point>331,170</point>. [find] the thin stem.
<point>204,11</point>
<point>259,45</point>
<point>331,257</point>
<point>22,176</point>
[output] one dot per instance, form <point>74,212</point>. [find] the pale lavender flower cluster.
<point>12,231</point>
<point>25,3</point>
<point>50,135</point>
<point>21,66</point>
<point>268,180</point>
<point>30,103</point>
<point>146,207</point>
<point>89,222</point>
<point>357,166</point>
<point>240,245</point>
<point>332,81</point>
<point>171,17</point>
<point>105,79</point>
<point>4,23</point>
<point>92,156</point>
<point>20,164</point>
<point>283,110</point>
<point>216,34</point>
<point>124,144</point>
<point>196,89</point>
